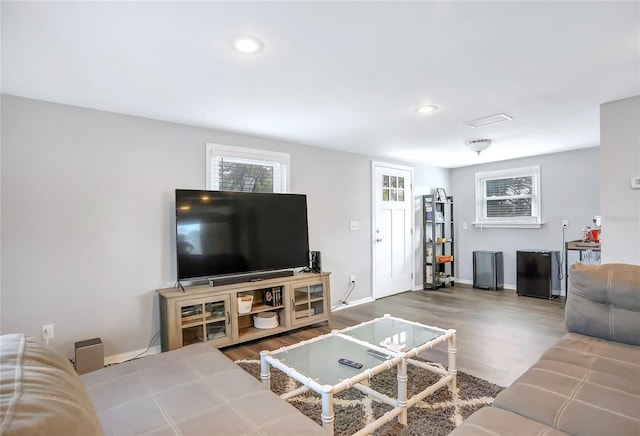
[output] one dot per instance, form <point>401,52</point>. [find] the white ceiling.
<point>341,75</point>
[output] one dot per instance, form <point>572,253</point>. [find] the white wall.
<point>620,143</point>
<point>87,217</point>
<point>570,188</point>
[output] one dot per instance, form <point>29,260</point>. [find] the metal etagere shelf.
<point>438,241</point>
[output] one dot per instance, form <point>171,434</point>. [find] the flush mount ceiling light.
<point>427,109</point>
<point>248,44</point>
<point>486,121</point>
<point>478,145</point>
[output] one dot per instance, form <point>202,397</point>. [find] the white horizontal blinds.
<point>510,197</point>
<point>246,175</point>
<point>247,170</point>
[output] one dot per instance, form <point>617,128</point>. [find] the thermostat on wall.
<point>635,183</point>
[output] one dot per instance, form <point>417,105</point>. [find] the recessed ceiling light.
<point>427,109</point>
<point>248,44</point>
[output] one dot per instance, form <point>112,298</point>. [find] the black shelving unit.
<point>438,242</point>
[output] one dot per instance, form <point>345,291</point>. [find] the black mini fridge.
<point>537,273</point>
<point>488,270</point>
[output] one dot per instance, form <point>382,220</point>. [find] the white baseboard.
<point>470,282</point>
<point>352,303</point>
<point>123,357</point>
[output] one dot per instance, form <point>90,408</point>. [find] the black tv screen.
<point>220,233</point>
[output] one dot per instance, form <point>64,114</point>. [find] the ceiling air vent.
<point>493,119</point>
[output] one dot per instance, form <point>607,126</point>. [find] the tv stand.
<point>256,277</point>
<point>221,315</point>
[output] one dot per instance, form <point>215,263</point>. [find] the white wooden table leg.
<point>453,370</point>
<point>402,391</point>
<point>265,369</point>
<point>327,408</point>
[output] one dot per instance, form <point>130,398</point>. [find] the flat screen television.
<point>221,233</point>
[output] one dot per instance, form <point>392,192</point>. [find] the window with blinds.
<point>508,198</point>
<point>246,169</point>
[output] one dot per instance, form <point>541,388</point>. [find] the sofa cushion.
<point>604,301</point>
<point>491,421</point>
<point>581,385</point>
<point>193,390</point>
<point>40,393</point>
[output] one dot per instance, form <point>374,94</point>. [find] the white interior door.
<point>392,226</point>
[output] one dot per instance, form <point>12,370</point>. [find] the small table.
<point>314,363</point>
<point>581,247</point>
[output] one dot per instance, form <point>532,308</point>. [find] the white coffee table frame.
<point>400,359</point>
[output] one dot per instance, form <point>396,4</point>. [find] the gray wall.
<point>87,206</point>
<point>570,188</point>
<point>620,143</point>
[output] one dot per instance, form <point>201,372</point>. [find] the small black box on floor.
<point>89,355</point>
<point>537,273</point>
<point>488,270</point>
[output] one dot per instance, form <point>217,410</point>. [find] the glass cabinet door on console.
<point>307,301</point>
<point>204,319</point>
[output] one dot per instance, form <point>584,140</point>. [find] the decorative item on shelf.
<point>478,145</point>
<point>215,331</point>
<point>443,259</point>
<point>273,296</point>
<point>439,217</point>
<point>441,194</point>
<point>244,304</point>
<point>429,214</point>
<point>441,240</point>
<point>265,320</point>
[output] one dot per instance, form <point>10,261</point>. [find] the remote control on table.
<point>350,363</point>
<point>378,354</point>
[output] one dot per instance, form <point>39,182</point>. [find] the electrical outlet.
<point>565,223</point>
<point>47,332</point>
<point>353,279</point>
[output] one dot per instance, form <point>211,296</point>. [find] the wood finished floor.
<point>499,334</point>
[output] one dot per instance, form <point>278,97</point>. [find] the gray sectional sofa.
<point>195,390</point>
<point>587,383</point>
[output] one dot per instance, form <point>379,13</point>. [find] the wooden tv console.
<point>211,314</point>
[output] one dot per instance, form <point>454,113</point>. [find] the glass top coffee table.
<point>314,363</point>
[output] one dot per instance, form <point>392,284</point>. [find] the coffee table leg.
<point>402,391</point>
<point>452,360</point>
<point>327,408</point>
<point>265,369</point>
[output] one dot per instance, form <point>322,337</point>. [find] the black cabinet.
<point>537,273</point>
<point>488,270</point>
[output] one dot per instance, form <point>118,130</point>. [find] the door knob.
<point>379,240</point>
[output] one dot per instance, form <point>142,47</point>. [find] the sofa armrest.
<point>40,393</point>
<point>604,301</point>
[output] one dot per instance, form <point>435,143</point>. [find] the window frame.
<point>533,221</point>
<point>249,155</point>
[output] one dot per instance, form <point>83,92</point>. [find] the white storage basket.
<point>265,320</point>
<point>244,304</point>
